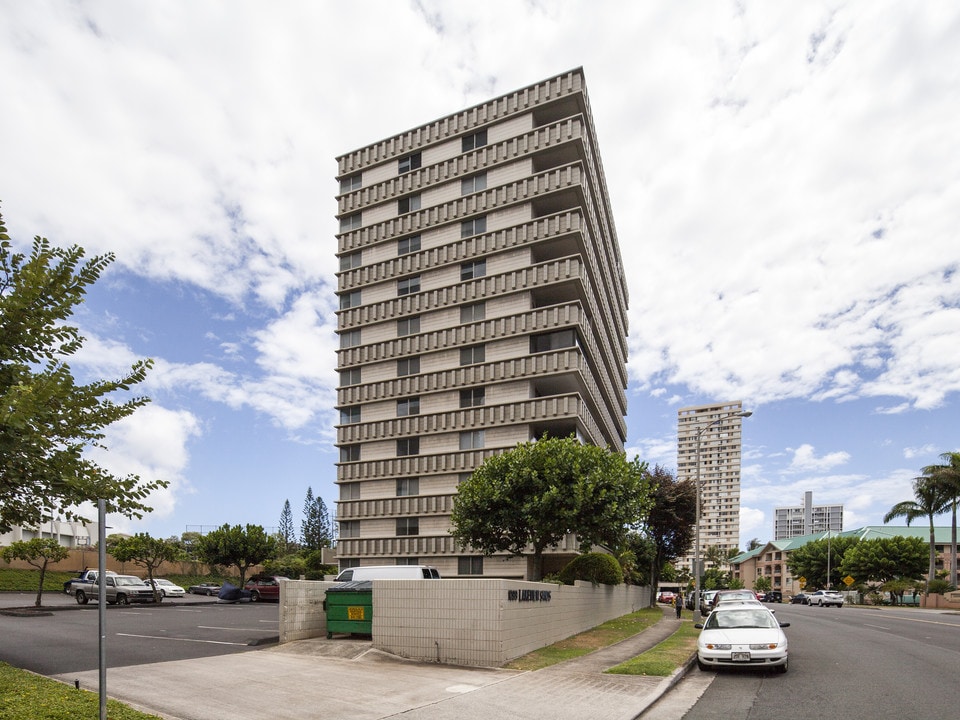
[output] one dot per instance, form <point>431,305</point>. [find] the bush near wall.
<point>596,568</point>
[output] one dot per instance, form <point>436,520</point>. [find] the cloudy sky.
<point>785,178</point>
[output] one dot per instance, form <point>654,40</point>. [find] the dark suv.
<point>773,596</point>
<point>264,587</point>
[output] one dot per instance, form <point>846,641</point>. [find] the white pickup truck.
<point>120,589</point>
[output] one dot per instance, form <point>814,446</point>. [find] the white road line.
<point>215,627</point>
<point>157,637</point>
<point>878,627</point>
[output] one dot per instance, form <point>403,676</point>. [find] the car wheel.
<point>122,599</point>
<point>701,665</point>
<point>254,596</point>
<point>82,598</point>
<point>782,669</point>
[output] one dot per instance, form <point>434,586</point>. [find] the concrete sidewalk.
<point>346,679</point>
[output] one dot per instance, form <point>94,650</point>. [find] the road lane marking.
<point>159,637</point>
<point>878,627</point>
<point>215,627</point>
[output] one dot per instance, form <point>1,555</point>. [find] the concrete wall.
<point>483,623</point>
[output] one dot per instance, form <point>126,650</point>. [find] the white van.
<point>389,572</point>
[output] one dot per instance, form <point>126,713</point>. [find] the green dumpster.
<point>350,608</point>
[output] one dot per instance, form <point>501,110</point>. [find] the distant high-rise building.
<point>718,425</point>
<point>483,303</point>
<point>806,519</point>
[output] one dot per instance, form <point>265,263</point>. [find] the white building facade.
<point>483,303</point>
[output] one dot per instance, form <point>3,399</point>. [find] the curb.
<point>665,686</point>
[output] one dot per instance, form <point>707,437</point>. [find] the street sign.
<point>803,582</point>
<point>849,580</point>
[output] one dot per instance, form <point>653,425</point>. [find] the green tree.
<point>240,547</point>
<point>753,544</point>
<point>146,551</point>
<point>762,584</point>
<point>810,561</point>
<point>38,552</point>
<point>286,539</point>
<point>670,522</point>
<point>931,500</point>
<point>885,559</point>
<point>528,498</point>
<point>315,530</point>
<point>947,477</point>
<point>47,420</point>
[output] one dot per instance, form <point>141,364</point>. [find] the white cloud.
<point>753,523</point>
<point>805,460</point>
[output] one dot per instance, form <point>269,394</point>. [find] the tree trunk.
<point>953,546</point>
<point>43,571</point>
<point>537,565</point>
<point>932,575</point>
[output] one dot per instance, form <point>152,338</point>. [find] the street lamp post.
<point>696,542</point>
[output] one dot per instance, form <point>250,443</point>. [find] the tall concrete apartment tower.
<point>483,303</point>
<point>806,519</point>
<point>719,426</point>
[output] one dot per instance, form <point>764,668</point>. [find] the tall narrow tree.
<point>947,476</point>
<point>286,533</point>
<point>670,522</point>
<point>931,500</point>
<point>315,528</point>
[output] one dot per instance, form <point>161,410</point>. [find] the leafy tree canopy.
<point>671,521</point>
<point>37,552</point>
<point>315,532</point>
<point>47,420</point>
<point>528,498</point>
<point>146,551</point>
<point>885,559</point>
<point>810,561</point>
<point>237,546</point>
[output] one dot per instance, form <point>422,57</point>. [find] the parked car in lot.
<point>264,587</point>
<point>773,596</point>
<point>204,589</point>
<point>742,635</point>
<point>800,599</point>
<point>827,598</point>
<point>119,589</point>
<point>666,597</point>
<point>166,588</point>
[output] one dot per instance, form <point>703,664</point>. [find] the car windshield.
<point>127,581</point>
<point>740,618</point>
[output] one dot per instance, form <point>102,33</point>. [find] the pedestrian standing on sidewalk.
<point>678,604</point>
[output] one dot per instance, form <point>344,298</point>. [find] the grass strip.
<point>601,636</point>
<point>26,695</point>
<point>661,660</point>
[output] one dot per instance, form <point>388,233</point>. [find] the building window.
<point>408,561</point>
<point>350,377</point>
<point>474,183</point>
<point>471,440</point>
<point>408,326</point>
<point>471,270</point>
<point>351,183</point>
<point>474,141</point>
<point>349,453</point>
<point>351,222</point>
<point>350,415</point>
<point>553,341</point>
<point>472,565</point>
<point>472,355</point>
<point>347,563</point>
<point>472,397</point>
<point>408,486</point>
<point>408,446</point>
<point>350,491</point>
<point>463,477</point>
<point>408,526</point>
<point>350,300</point>
<point>351,261</point>
<point>408,163</point>
<point>349,339</point>
<point>408,366</point>
<point>407,245</point>
<point>473,313</point>
<point>474,226</point>
<point>408,285</point>
<point>408,204</point>
<point>349,528</point>
<point>408,406</point>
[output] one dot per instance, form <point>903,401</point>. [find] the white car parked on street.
<point>167,588</point>
<point>825,597</point>
<point>744,635</point>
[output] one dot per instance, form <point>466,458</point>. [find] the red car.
<point>666,597</point>
<point>264,587</point>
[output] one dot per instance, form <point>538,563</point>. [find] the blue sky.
<point>785,180</point>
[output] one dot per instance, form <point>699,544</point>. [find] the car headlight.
<point>718,646</point>
<point>764,646</point>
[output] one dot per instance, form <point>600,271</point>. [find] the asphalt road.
<point>66,640</point>
<point>848,663</point>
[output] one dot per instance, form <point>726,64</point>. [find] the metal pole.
<point>828,558</point>
<point>102,602</point>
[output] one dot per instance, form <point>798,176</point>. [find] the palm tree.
<point>947,476</point>
<point>931,500</point>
